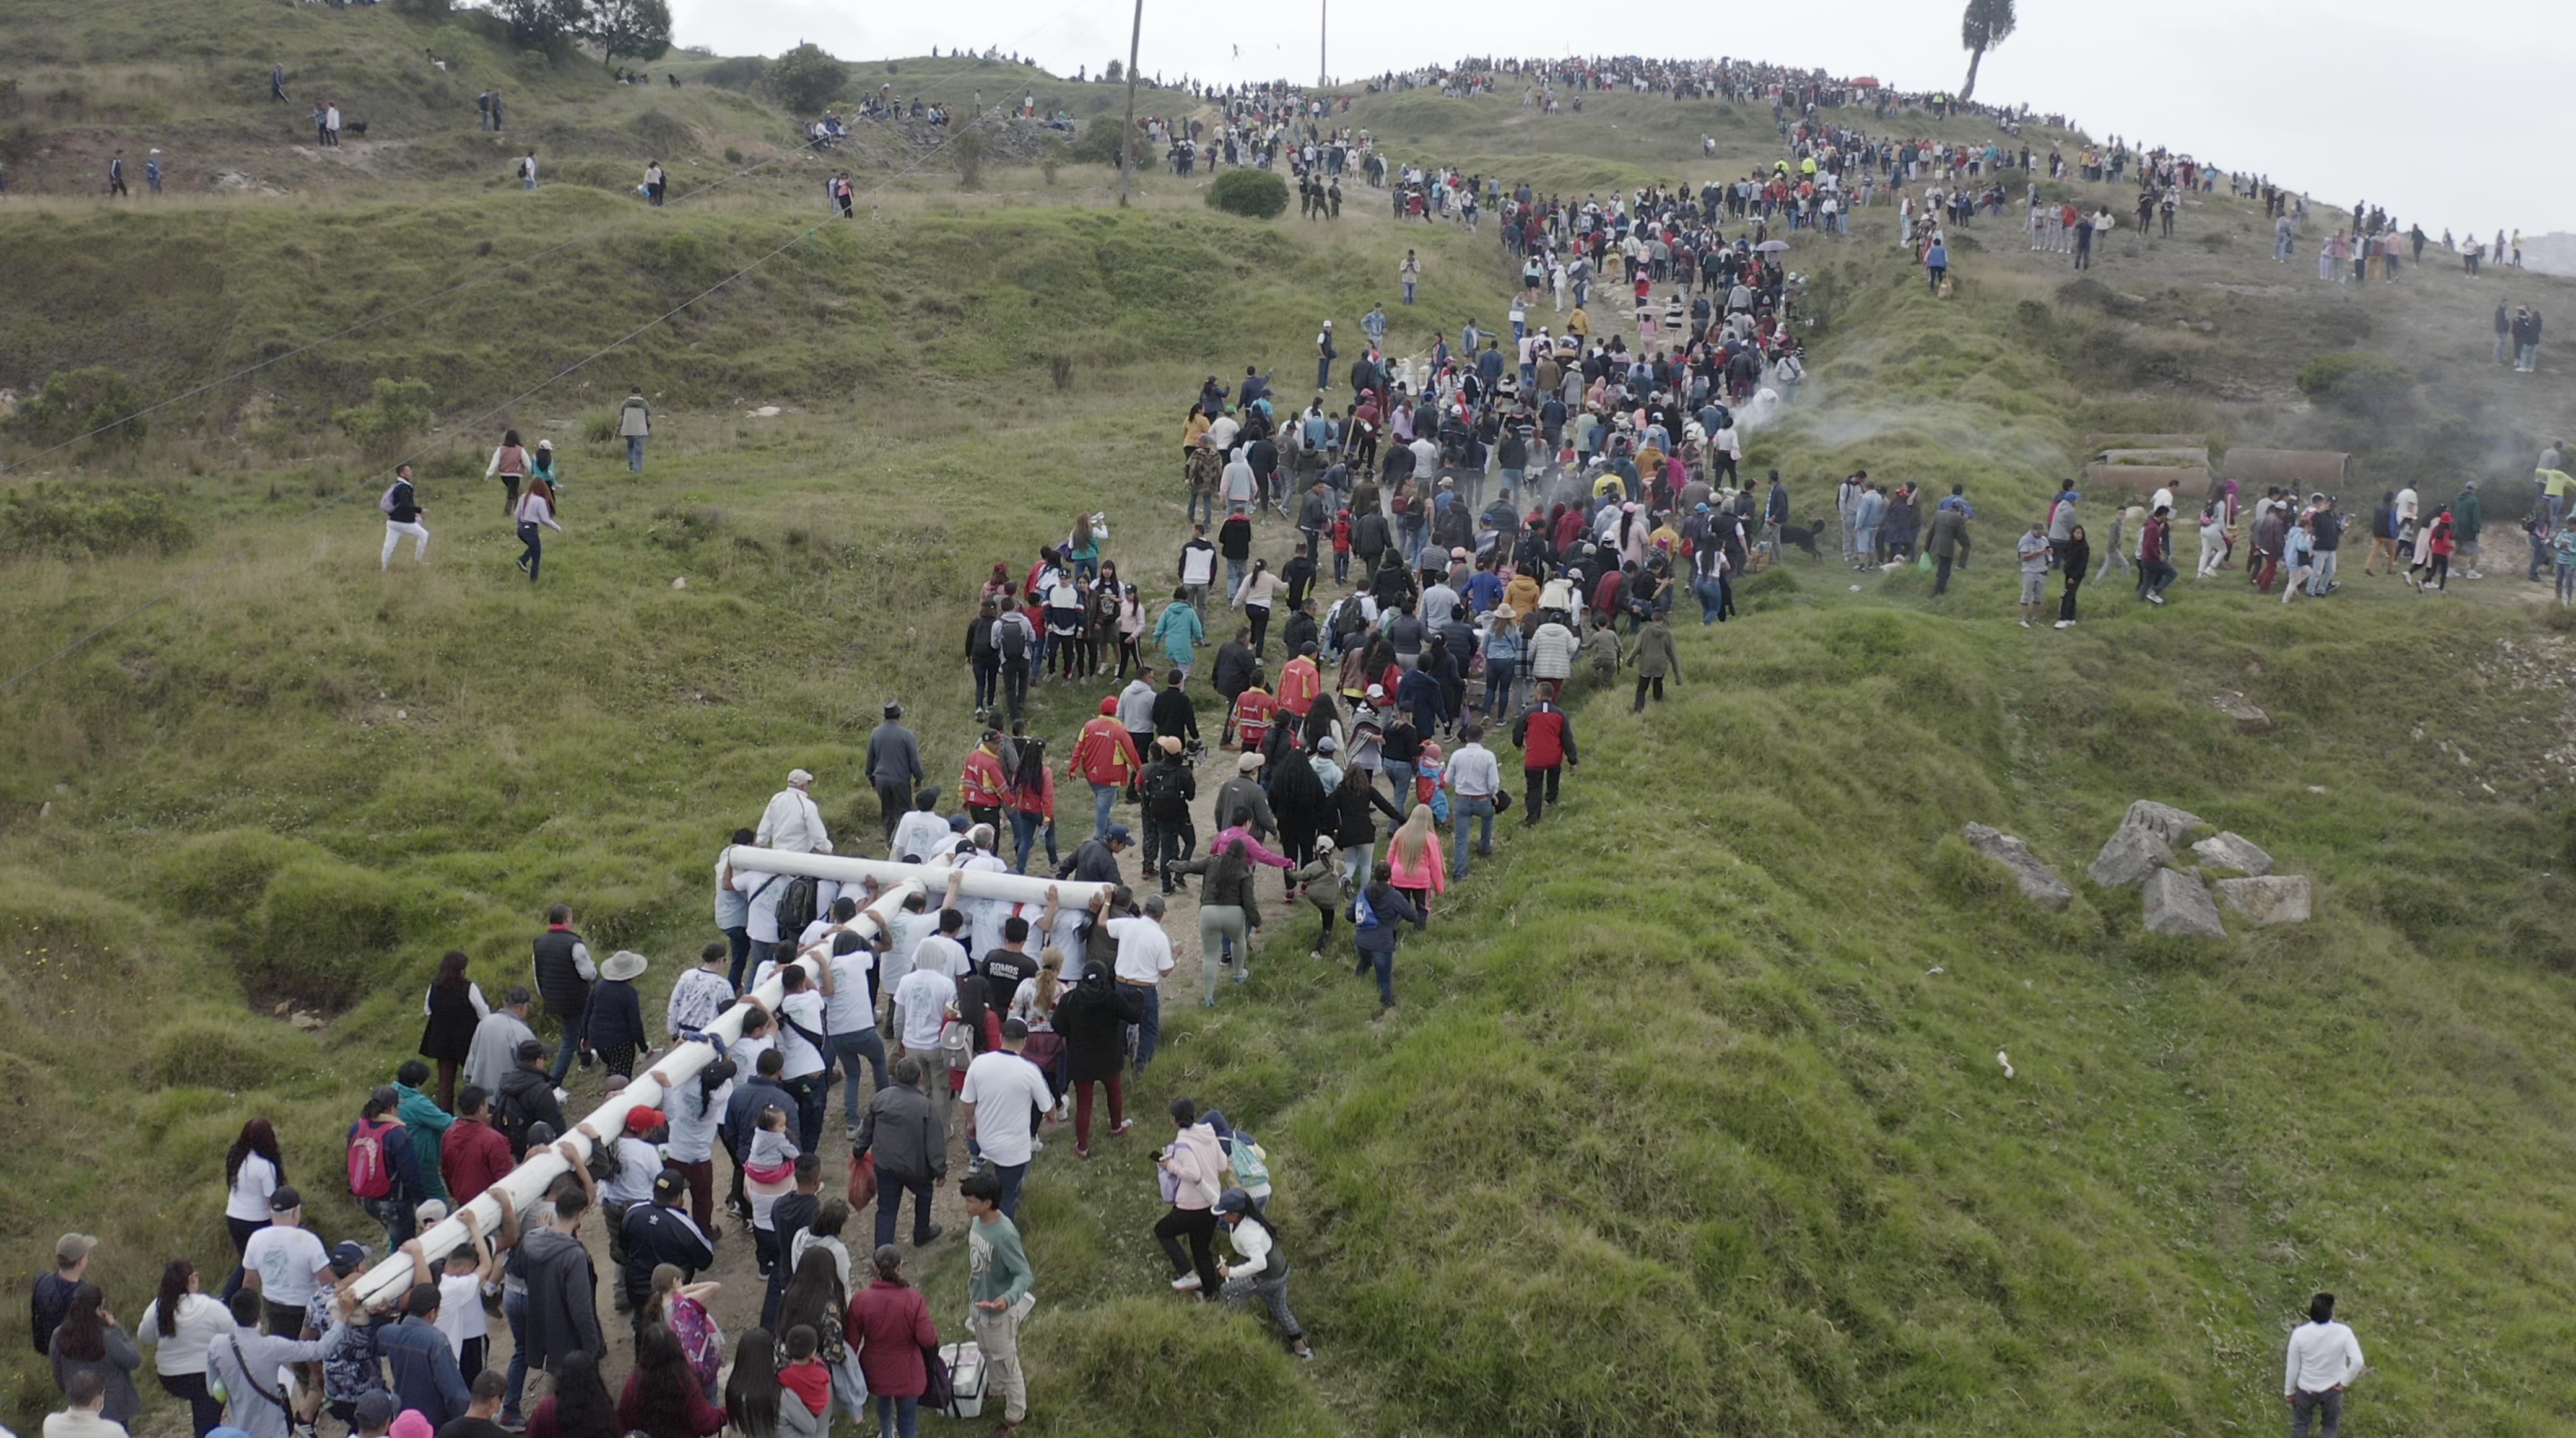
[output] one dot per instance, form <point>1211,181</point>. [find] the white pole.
<point>974,884</point>
<point>528,1182</point>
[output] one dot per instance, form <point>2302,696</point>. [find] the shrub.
<point>80,402</point>
<point>203,1053</point>
<point>76,523</point>
<point>386,423</point>
<point>321,934</point>
<point>1097,142</point>
<point>2356,381</point>
<point>221,875</point>
<point>1109,1363</point>
<point>1254,194</point>
<point>742,72</point>
<point>968,150</point>
<point>806,79</point>
<point>422,9</point>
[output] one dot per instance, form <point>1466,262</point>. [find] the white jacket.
<point>792,822</point>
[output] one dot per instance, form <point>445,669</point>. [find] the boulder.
<point>2039,883</point>
<point>2171,824</point>
<point>2230,850</point>
<point>2177,904</point>
<point>2270,899</point>
<point>2249,716</point>
<point>2130,854</point>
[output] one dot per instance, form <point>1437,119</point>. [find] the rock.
<point>2249,717</point>
<point>2233,851</point>
<point>767,411</point>
<point>683,581</point>
<point>285,1007</point>
<point>2171,824</point>
<point>2272,899</point>
<point>306,1021</point>
<point>2177,904</point>
<point>2039,883</point>
<point>2130,854</point>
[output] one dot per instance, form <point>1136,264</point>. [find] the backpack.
<point>510,1119</point>
<point>1015,638</point>
<point>370,1175</point>
<point>796,907</point>
<point>1251,1165</point>
<point>1363,913</point>
<point>386,501</point>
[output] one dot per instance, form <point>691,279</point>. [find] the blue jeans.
<point>1102,797</point>
<point>1462,809</point>
<point>635,453</point>
<point>1148,1030</point>
<point>1383,960</point>
<point>1399,777</point>
<point>1323,373</point>
<point>1408,291</point>
<point>1199,498</point>
<point>1499,677</point>
<point>849,1049</point>
<point>1711,599</point>
<point>514,1306</point>
<point>572,1031</point>
<point>1025,828</point>
<point>898,1417</point>
<point>1010,1176</point>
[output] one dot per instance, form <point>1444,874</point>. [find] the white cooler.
<point>965,1378</point>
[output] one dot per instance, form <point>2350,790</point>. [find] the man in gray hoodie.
<point>563,1287</point>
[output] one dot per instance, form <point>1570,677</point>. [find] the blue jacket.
<point>425,1375</point>
<point>1419,694</point>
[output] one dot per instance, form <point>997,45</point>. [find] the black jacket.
<point>902,1130</point>
<point>527,1097</point>
<point>655,1235</point>
<point>1352,801</point>
<point>559,979</point>
<point>1090,1018</point>
<point>1234,665</point>
<point>1168,786</point>
<point>1174,714</point>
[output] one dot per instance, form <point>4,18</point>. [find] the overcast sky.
<point>2443,113</point>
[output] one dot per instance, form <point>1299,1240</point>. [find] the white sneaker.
<point>1036,1144</point>
<point>2025,624</point>
<point>2066,624</point>
<point>1186,1283</point>
<point>2155,599</point>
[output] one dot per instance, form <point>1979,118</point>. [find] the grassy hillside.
<point>1691,1117</point>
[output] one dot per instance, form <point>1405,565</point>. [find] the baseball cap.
<point>1248,763</point>
<point>285,1200</point>
<point>643,1119</point>
<point>799,776</point>
<point>73,1247</point>
<point>376,1408</point>
<point>668,1182</point>
<point>1015,1028</point>
<point>1118,834</point>
<point>1171,743</point>
<point>347,1255</point>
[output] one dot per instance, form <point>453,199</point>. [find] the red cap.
<point>642,1120</point>
<point>1109,705</point>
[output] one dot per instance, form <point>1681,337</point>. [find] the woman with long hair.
<point>1091,1018</point>
<point>752,1393</point>
<point>890,1330</point>
<point>510,463</point>
<point>681,1306</point>
<point>1031,801</point>
<point>253,1169</point>
<point>535,513</point>
<point>1413,857</point>
<point>579,1406</point>
<point>90,1341</point>
<point>1131,629</point>
<point>454,1007</point>
<point>1082,546</point>
<point>182,1325</point>
<point>816,1298</point>
<point>662,1398</point>
<point>1225,907</point>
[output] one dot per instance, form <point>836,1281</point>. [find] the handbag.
<point>863,1180</point>
<point>938,1395</point>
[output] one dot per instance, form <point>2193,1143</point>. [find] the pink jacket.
<point>1428,871</point>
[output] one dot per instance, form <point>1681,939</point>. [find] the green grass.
<point>1677,1128</point>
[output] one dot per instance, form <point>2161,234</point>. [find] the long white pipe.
<point>974,884</point>
<point>528,1182</point>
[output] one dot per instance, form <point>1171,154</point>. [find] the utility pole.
<point>1127,136</point>
<point>1323,69</point>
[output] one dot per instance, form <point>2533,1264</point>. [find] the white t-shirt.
<point>1144,950</point>
<point>747,1050</point>
<point>286,1260</point>
<point>923,999</point>
<point>904,933</point>
<point>943,955</point>
<point>638,1164</point>
<point>919,833</point>
<point>1008,1093</point>
<point>460,1310</point>
<point>848,1009</point>
<point>762,922</point>
<point>252,1185</point>
<point>802,1058</point>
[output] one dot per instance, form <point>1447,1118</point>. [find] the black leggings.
<point>1198,1225</point>
<point>2066,601</point>
<point>510,500</point>
<point>205,1410</point>
<point>1260,614</point>
<point>1644,682</point>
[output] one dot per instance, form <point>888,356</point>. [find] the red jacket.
<point>980,784</point>
<point>1299,684</point>
<point>471,1158</point>
<point>1545,736</point>
<point>888,1327</point>
<point>1103,753</point>
<point>1252,712</point>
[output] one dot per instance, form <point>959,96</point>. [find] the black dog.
<point>356,127</point>
<point>1803,536</point>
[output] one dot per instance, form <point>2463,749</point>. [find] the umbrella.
<point>1772,247</point>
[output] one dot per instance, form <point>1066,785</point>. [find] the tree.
<point>631,29</point>
<point>806,79</point>
<point>385,424</point>
<point>1985,24</point>
<point>548,25</point>
<point>1116,73</point>
<point>968,149</point>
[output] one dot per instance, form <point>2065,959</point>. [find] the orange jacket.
<point>981,784</point>
<point>1103,754</point>
<point>1299,684</point>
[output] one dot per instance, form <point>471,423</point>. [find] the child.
<point>1341,546</point>
<point>804,1409</point>
<point>1428,788</point>
<point>1321,881</point>
<point>1264,1269</point>
<point>1253,711</point>
<point>1377,910</point>
<point>473,1273</point>
<point>768,1173</point>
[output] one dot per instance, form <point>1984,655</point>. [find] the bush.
<point>2356,381</point>
<point>81,402</point>
<point>1109,1363</point>
<point>1097,142</point>
<point>203,1053</point>
<point>386,423</point>
<point>806,79</point>
<point>968,150</point>
<point>742,72</point>
<point>76,523</point>
<point>422,9</point>
<point>221,875</point>
<point>1254,194</point>
<point>322,934</point>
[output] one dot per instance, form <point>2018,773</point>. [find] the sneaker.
<point>927,1236</point>
<point>1081,1152</point>
<point>1036,1144</point>
<point>2155,599</point>
<point>1186,1283</point>
<point>1008,1428</point>
<point>1121,1126</point>
<point>1209,1002</point>
<point>513,1422</point>
<point>1242,975</point>
<point>1314,953</point>
<point>1304,1353</point>
<point>2025,624</point>
<point>2065,624</point>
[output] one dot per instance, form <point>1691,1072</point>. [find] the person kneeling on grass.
<point>1264,1269</point>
